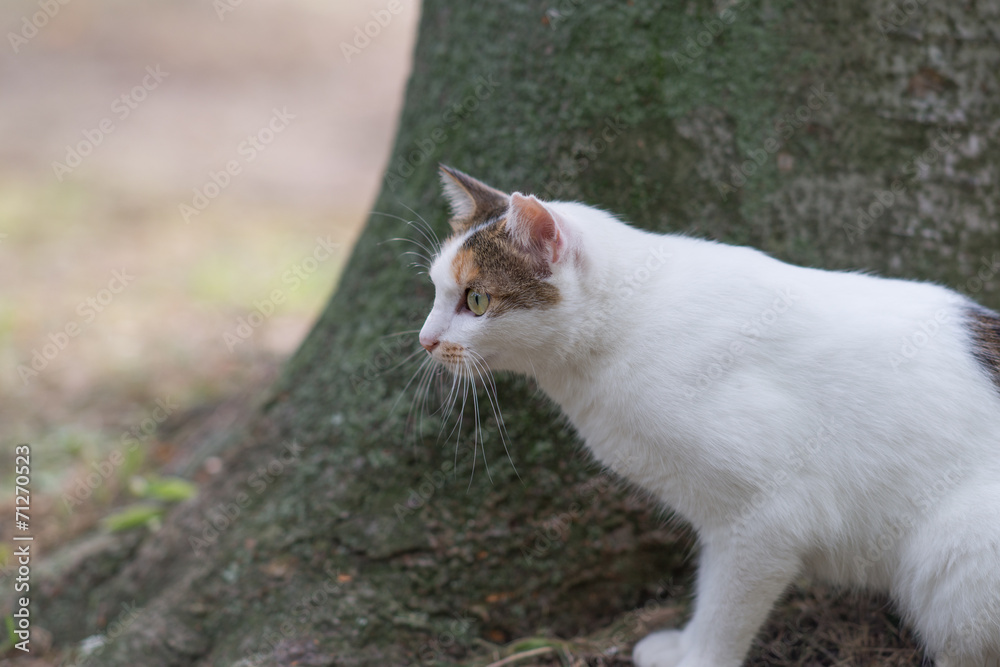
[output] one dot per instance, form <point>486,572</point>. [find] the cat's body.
<point>801,420</point>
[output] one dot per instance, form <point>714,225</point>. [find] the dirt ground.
<point>180,184</point>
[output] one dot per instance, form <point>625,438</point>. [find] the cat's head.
<point>502,280</point>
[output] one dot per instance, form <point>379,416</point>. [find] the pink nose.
<point>429,343</point>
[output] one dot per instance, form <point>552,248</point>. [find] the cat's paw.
<point>660,649</point>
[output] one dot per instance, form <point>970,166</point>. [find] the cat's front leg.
<point>739,581</point>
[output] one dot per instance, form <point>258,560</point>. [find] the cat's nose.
<point>429,343</point>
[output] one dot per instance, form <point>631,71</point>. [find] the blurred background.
<point>180,185</point>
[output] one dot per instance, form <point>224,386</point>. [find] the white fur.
<point>801,421</point>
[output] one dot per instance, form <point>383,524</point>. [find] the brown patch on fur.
<point>985,326</point>
<point>509,274</point>
<point>464,267</point>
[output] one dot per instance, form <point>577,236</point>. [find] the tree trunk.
<point>342,534</point>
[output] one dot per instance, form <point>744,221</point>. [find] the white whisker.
<point>449,401</point>
<point>425,393</point>
<point>426,231</point>
<point>478,432</point>
<point>461,416</point>
<point>404,360</point>
<point>489,383</point>
<point>425,260</point>
<point>424,370</point>
<point>421,261</point>
<point>420,368</point>
<point>427,225</point>
<point>428,252</point>
<point>401,333</point>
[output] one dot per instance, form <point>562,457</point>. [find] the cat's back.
<point>744,334</point>
<point>738,292</point>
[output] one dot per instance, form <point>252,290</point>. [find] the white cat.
<point>801,420</point>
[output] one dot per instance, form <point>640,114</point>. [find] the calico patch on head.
<point>986,338</point>
<point>512,242</point>
<point>490,262</point>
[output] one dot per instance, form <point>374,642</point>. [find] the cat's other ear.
<point>472,202</point>
<point>535,228</point>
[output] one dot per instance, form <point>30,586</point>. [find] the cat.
<point>802,421</point>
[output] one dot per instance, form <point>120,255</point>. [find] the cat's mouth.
<point>450,354</point>
<point>458,358</point>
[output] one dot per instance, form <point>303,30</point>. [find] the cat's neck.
<point>603,318</point>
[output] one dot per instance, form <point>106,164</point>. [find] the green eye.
<point>478,303</point>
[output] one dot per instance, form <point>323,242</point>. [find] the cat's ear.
<point>471,201</point>
<point>535,228</point>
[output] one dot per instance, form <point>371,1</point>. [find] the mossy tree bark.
<point>859,137</point>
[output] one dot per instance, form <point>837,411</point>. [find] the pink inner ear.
<point>534,227</point>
